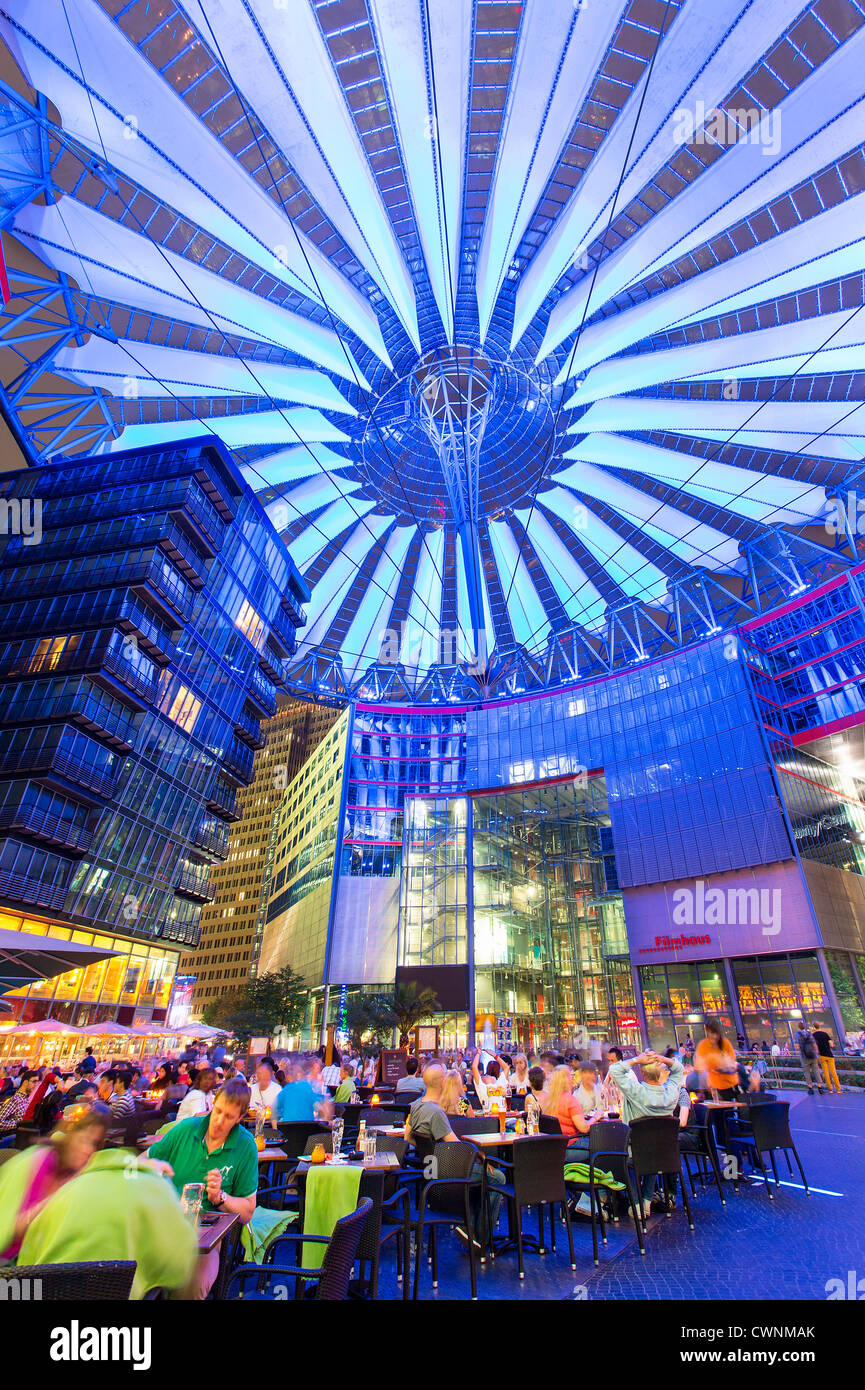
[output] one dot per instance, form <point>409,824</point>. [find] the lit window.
<point>182,708</point>
<point>251,624</point>
<point>49,651</point>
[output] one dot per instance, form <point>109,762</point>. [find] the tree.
<point>368,1019</point>
<point>261,1006</point>
<point>408,1007</point>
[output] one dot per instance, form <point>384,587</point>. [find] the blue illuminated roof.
<point>617,245</point>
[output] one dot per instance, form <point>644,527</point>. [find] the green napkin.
<point>262,1230</point>
<point>579,1172</point>
<point>331,1193</point>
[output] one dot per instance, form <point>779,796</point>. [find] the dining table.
<point>212,1235</point>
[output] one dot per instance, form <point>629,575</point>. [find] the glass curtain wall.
<point>544,914</point>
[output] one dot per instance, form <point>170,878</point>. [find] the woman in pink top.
<point>32,1176</point>
<point>563,1104</point>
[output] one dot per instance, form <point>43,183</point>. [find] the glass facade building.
<point>547,844</point>
<point>143,636</point>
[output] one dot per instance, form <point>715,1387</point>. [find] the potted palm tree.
<point>410,1006</point>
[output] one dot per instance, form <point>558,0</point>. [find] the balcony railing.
<point>20,888</point>
<point>249,730</point>
<point>237,761</point>
<point>212,836</point>
<point>195,884</point>
<point>262,693</point>
<point>282,632</point>
<point>85,704</point>
<point>29,820</point>
<point>125,672</point>
<point>223,802</point>
<point>167,929</point>
<point>47,760</point>
<point>293,609</point>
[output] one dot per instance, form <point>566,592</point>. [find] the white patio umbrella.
<point>106,1030</point>
<point>40,1028</point>
<point>198,1030</point>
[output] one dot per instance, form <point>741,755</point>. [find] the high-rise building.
<point>147,610</point>
<point>228,944</point>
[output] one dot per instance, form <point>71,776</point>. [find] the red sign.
<point>629,1022</point>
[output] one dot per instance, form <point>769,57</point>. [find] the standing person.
<point>809,1058</point>
<point>298,1098</point>
<point>612,1096</point>
<point>716,1059</point>
<point>826,1056</point>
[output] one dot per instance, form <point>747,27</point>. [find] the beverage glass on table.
<point>191,1198</point>
<point>336,1134</point>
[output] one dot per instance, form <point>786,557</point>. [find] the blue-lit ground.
<point>752,1249</point>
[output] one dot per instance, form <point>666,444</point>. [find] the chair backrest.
<point>391,1144</point>
<point>377,1115</point>
<point>539,1169</point>
<point>771,1126</point>
<point>654,1141</point>
<point>341,1253</point>
<point>96,1280</point>
<point>295,1134</point>
<point>451,1161</point>
<point>473,1124</point>
<point>326,1141</point>
<point>610,1136</point>
<point>517,1102</point>
<point>548,1124</point>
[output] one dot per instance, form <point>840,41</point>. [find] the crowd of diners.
<point>68,1195</point>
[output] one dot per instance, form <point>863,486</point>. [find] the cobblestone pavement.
<point>789,1248</point>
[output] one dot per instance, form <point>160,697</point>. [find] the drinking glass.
<point>191,1198</point>
<point>336,1133</point>
<point>369,1145</point>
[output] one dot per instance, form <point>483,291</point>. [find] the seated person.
<point>588,1092</point>
<point>101,1214</point>
<point>428,1121</point>
<point>347,1089</point>
<point>218,1152</point>
<point>265,1088</point>
<point>410,1086</point>
<point>12,1111</point>
<point>453,1101</point>
<point>29,1179</point>
<point>199,1098</point>
<point>562,1104</point>
<point>495,1078</point>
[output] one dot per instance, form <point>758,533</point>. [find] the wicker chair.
<point>537,1179</point>
<point>654,1145</point>
<point>608,1148</point>
<point>95,1281</point>
<point>769,1132</point>
<point>473,1124</point>
<point>446,1201</point>
<point>295,1134</point>
<point>330,1283</point>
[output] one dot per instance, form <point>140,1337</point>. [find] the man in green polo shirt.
<point>216,1151</point>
